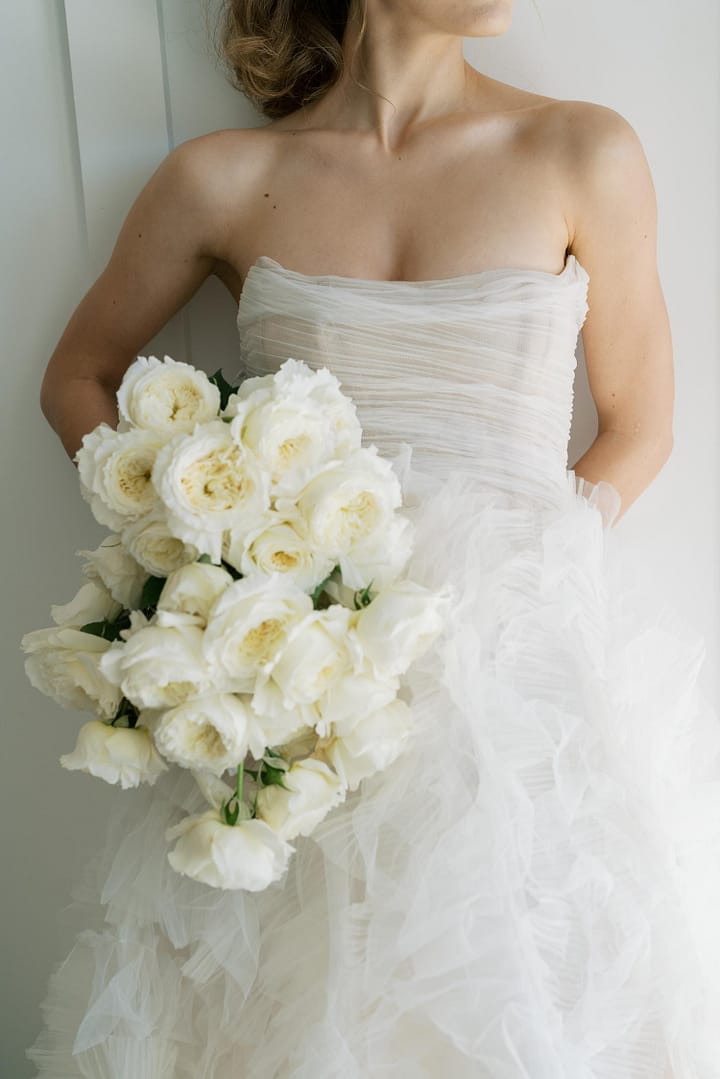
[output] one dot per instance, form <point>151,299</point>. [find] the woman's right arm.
<point>166,247</point>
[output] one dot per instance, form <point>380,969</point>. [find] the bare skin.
<point>465,173</point>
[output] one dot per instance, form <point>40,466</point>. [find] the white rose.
<point>366,745</point>
<point>296,426</point>
<point>122,574</point>
<point>166,395</point>
<point>115,471</point>
<point>323,388</point>
<point>158,666</point>
<point>247,388</point>
<point>280,543</point>
<point>155,548</point>
<point>278,721</point>
<point>124,755</point>
<point>91,603</point>
<point>358,692</point>
<point>296,380</point>
<point>212,732</point>
<point>247,855</point>
<point>379,561</point>
<point>318,651</point>
<point>95,447</point>
<point>248,625</point>
<point>349,502</point>
<point>209,483</point>
<point>399,625</point>
<point>311,789</point>
<point>193,589</point>
<point>64,663</point>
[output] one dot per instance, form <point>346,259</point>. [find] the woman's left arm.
<point>612,225</point>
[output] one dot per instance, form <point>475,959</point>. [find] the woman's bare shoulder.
<point>230,162</point>
<point>221,144</point>
<point>587,128</point>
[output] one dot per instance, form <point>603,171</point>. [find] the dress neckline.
<point>265,262</point>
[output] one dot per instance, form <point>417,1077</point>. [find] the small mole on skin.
<point>274,206</point>
<point>139,233</point>
<point>266,195</point>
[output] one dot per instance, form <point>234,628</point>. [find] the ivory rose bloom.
<point>91,603</point>
<point>358,692</point>
<point>280,543</point>
<point>115,471</point>
<point>155,548</point>
<point>279,722</point>
<point>359,747</point>
<point>313,789</point>
<point>121,574</point>
<point>248,625</point>
<point>208,484</point>
<point>248,854</point>
<point>380,560</point>
<point>213,732</point>
<point>349,502</point>
<point>294,423</point>
<point>193,589</point>
<point>158,666</point>
<point>124,755</point>
<point>166,396</point>
<point>64,663</point>
<point>399,625</point>
<point>319,650</point>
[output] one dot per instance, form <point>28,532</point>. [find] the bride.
<point>518,898</point>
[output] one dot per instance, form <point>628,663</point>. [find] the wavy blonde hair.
<point>283,54</point>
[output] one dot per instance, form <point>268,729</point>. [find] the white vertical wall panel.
<point>116,62</point>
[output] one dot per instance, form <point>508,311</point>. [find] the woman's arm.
<point>626,335</point>
<point>165,249</point>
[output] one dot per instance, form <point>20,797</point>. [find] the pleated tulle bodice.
<point>475,372</point>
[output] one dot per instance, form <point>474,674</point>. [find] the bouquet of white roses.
<point>248,613</point>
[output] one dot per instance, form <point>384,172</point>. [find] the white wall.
<point>85,117</point>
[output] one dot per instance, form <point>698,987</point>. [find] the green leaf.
<point>223,385</point>
<point>98,629</point>
<point>272,777</point>
<point>318,590</point>
<point>151,592</point>
<point>126,709</point>
<point>110,631</point>
<point>231,815</point>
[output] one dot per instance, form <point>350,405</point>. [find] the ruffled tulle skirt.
<point>530,891</point>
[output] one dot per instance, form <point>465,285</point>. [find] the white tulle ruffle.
<point>530,892</point>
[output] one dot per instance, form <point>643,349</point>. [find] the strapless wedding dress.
<point>532,890</point>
